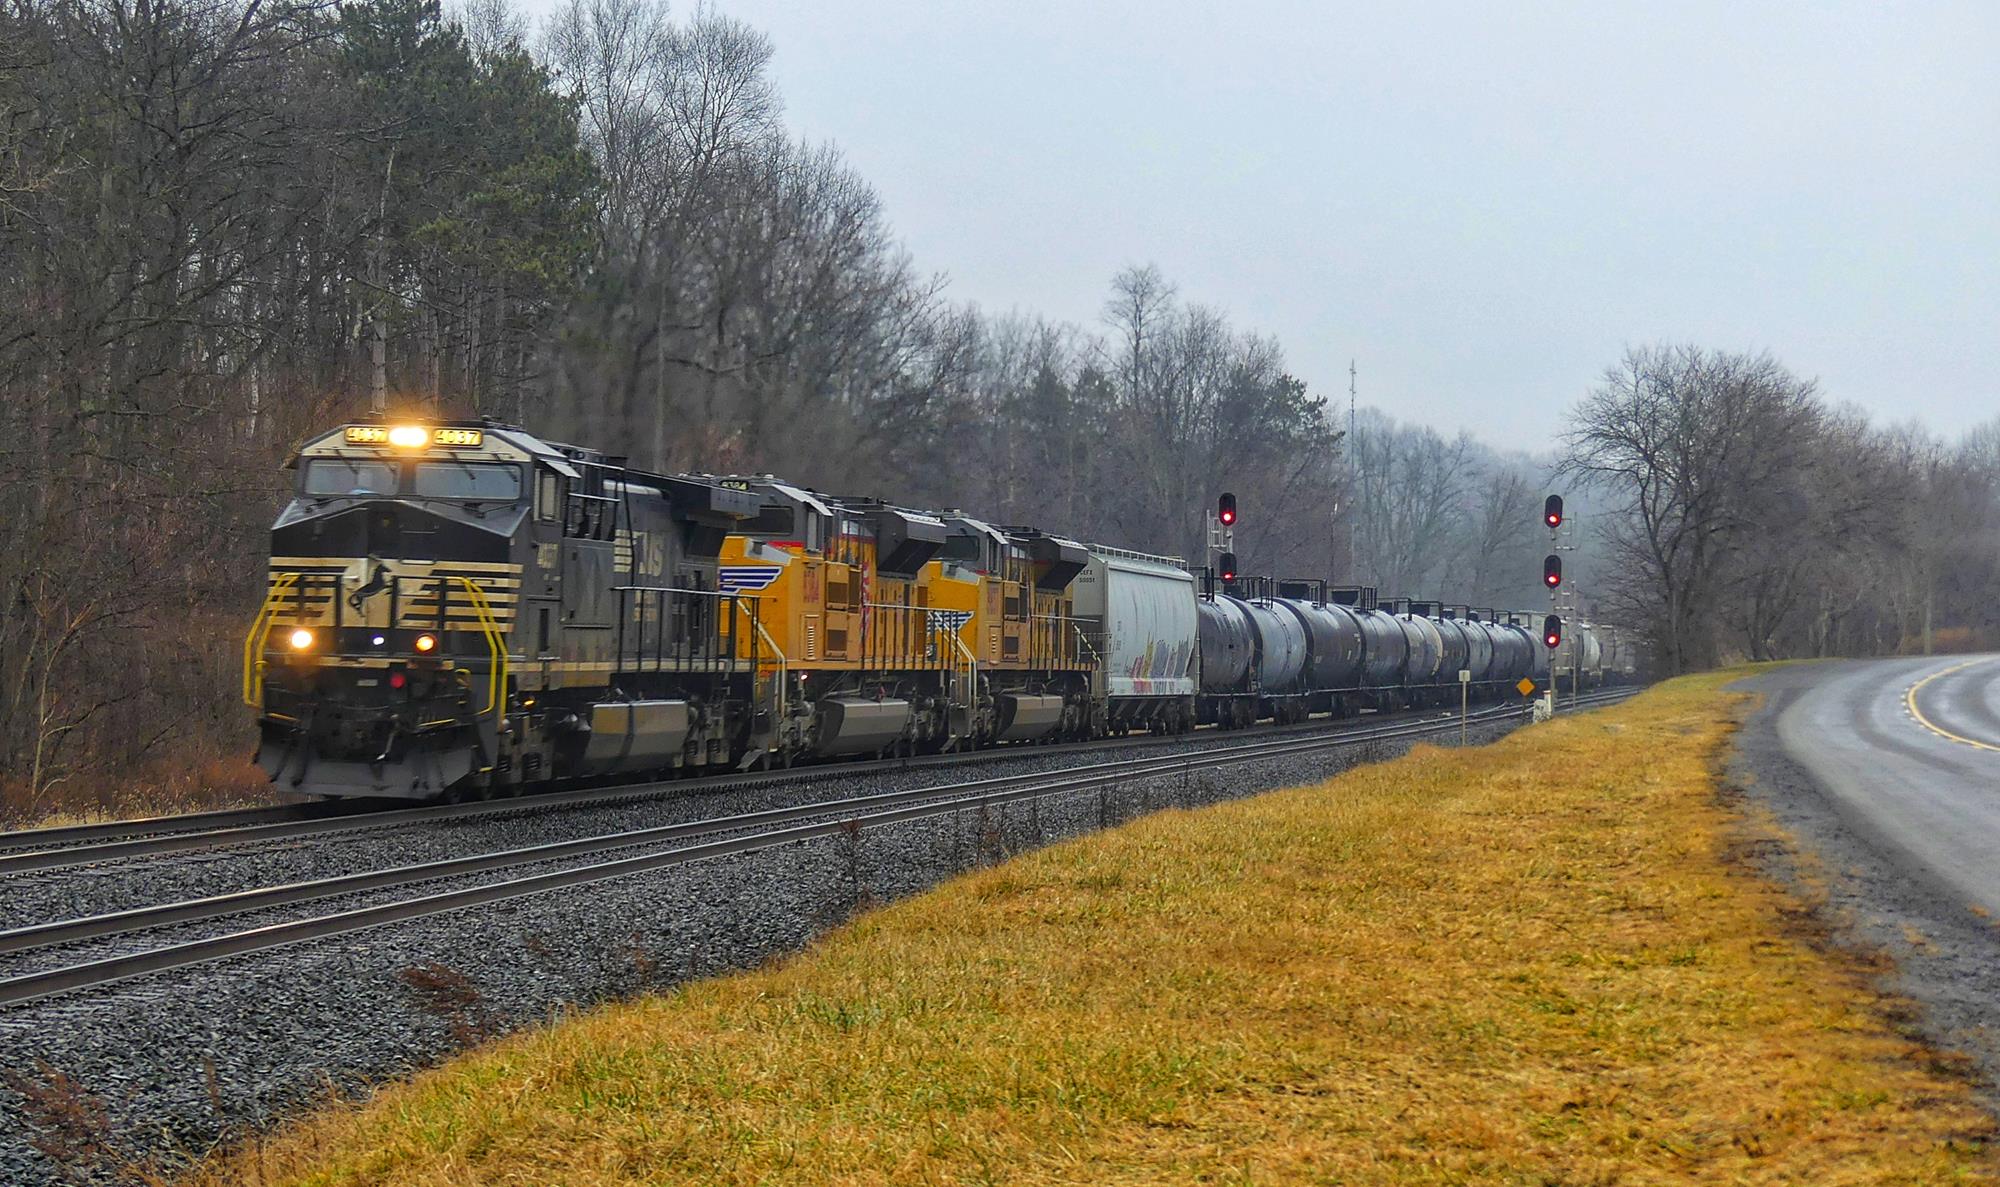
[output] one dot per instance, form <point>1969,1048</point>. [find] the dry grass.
<point>164,788</point>
<point>1535,963</point>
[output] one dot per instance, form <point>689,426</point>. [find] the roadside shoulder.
<point>1938,954</point>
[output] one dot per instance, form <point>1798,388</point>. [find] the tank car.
<point>1333,667</point>
<point>1590,663</point>
<point>1385,657</point>
<point>1478,649</point>
<point>1423,674</point>
<point>1228,648</point>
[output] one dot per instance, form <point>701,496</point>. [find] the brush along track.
<point>32,850</point>
<point>731,835</point>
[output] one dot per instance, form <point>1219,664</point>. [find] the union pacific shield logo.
<point>747,578</point>
<point>948,622</point>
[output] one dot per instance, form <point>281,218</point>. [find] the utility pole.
<point>1355,499</point>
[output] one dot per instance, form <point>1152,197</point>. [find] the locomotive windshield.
<point>349,476</point>
<point>484,481</point>
<point>467,480</point>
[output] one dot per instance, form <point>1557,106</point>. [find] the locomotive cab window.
<point>348,476</point>
<point>775,519</point>
<point>548,497</point>
<point>963,549</point>
<point>485,481</point>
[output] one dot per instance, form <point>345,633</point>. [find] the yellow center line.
<point>1910,702</point>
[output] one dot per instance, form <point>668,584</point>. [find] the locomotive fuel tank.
<point>859,725</point>
<point>1333,643</point>
<point>1024,716</point>
<point>631,735</point>
<point>1228,645</point>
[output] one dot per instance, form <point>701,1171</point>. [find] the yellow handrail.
<point>496,643</point>
<point>778,708</point>
<point>971,669</point>
<point>260,633</point>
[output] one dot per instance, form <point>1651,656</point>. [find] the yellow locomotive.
<point>901,628</point>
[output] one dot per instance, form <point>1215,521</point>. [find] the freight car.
<point>465,608</point>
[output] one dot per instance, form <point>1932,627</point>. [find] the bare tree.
<point>1697,445</point>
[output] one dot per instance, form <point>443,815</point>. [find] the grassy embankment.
<point>1532,963</point>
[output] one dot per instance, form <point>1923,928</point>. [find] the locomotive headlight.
<point>301,639</point>
<point>409,436</point>
<point>426,643</point>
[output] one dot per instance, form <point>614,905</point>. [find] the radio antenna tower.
<point>1353,486</point>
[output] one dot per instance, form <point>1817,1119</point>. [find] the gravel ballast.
<point>159,1068</point>
<point>69,892</point>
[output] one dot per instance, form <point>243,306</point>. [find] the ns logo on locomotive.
<point>465,608</point>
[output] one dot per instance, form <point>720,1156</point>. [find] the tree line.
<point>225,224</point>
<point>1747,517</point>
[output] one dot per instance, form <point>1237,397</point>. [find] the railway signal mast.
<point>1562,600</point>
<point>1222,538</point>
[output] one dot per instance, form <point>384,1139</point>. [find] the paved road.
<point>1908,752</point>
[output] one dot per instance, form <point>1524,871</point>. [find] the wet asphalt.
<point>1887,775</point>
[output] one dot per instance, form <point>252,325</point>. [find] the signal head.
<point>1552,511</point>
<point>1226,566</point>
<point>1552,632</point>
<point>1225,509</point>
<point>1552,570</point>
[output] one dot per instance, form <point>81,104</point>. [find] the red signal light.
<point>1552,632</point>
<point>1227,566</point>
<point>1552,511</point>
<point>1552,570</point>
<point>1225,509</point>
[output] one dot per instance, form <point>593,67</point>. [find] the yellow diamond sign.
<point>1526,686</point>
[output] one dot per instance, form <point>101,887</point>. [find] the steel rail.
<point>845,816</point>
<point>114,830</point>
<point>138,918</point>
<point>130,839</point>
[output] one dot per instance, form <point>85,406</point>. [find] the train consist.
<point>464,608</point>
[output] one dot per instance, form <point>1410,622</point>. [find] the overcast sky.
<point>1482,204</point>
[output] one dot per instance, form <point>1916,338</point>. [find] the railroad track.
<point>690,842</point>
<point>33,850</point>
